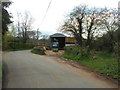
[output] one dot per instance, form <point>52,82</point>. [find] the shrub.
<point>84,51</point>
<point>117,50</point>
<point>15,45</point>
<point>38,50</point>
<point>55,50</point>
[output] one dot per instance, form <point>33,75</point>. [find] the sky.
<point>56,12</point>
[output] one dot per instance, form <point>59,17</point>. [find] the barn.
<point>58,40</point>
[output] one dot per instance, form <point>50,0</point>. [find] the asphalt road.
<point>27,70</point>
<point>0,69</point>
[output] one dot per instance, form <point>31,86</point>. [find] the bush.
<point>117,50</point>
<point>14,46</point>
<point>38,50</point>
<point>55,50</point>
<point>84,51</point>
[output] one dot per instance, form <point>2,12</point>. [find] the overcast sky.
<point>56,13</point>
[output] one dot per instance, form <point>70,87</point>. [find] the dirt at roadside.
<point>73,65</point>
<point>51,53</point>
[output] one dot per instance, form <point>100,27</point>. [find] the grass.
<point>102,62</point>
<point>37,52</point>
<point>17,49</point>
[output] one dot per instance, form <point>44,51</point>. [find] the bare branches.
<point>24,24</point>
<point>89,22</point>
<point>110,20</point>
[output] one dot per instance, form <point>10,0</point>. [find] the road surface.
<point>26,70</point>
<point>0,70</point>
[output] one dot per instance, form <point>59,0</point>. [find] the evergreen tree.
<point>5,17</point>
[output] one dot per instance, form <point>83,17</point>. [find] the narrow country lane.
<point>27,70</point>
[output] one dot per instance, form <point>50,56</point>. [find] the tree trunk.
<point>88,39</point>
<point>79,40</point>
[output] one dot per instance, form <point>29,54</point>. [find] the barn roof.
<point>58,35</point>
<point>70,39</point>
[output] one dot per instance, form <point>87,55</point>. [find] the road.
<point>0,69</point>
<point>27,70</point>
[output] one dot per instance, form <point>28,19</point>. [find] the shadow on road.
<point>4,75</point>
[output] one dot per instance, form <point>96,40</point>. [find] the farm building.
<point>59,41</point>
<point>70,41</point>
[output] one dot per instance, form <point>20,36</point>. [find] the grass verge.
<point>102,62</point>
<point>17,49</point>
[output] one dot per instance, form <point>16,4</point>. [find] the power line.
<point>46,11</point>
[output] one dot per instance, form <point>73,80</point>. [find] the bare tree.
<point>74,23</point>
<point>31,34</point>
<point>44,39</point>
<point>38,34</point>
<point>24,24</point>
<point>83,20</point>
<point>92,23</point>
<point>18,24</point>
<point>110,22</point>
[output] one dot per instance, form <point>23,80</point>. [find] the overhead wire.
<point>46,11</point>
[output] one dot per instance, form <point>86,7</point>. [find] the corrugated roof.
<point>58,35</point>
<point>70,39</point>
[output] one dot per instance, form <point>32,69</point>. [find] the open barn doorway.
<point>58,40</point>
